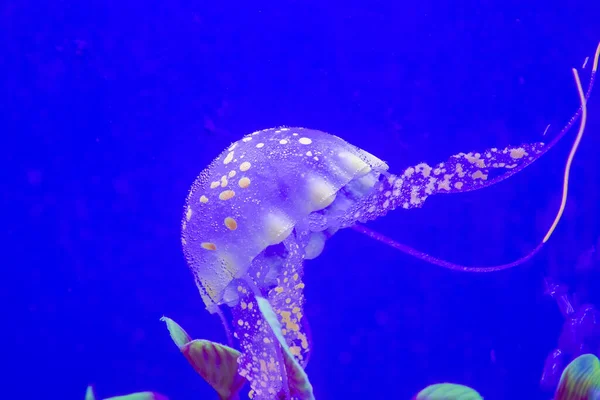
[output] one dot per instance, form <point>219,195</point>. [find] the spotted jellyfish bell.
<point>248,228</point>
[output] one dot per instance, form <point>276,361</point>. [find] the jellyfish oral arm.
<point>301,386</point>
<point>543,148</point>
<point>262,360</point>
<point>271,318</point>
<point>416,184</point>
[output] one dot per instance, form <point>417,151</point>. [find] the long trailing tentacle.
<point>437,261</point>
<point>583,108</point>
<point>225,326</point>
<point>449,265</point>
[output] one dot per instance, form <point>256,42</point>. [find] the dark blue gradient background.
<point>111,109</point>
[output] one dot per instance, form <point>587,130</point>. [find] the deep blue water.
<point>113,108</point>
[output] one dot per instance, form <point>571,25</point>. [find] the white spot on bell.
<point>245,166</point>
<point>228,159</point>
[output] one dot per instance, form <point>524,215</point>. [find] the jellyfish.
<point>271,200</point>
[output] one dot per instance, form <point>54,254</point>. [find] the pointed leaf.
<point>179,336</point>
<point>89,393</point>
<point>217,364</point>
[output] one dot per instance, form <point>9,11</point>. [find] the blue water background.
<point>113,108</point>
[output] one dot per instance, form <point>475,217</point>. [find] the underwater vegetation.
<point>580,333</point>
<point>217,364</point>
<point>271,200</point>
<point>90,394</point>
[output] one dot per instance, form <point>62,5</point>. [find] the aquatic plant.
<point>579,381</point>
<point>217,365</point>
<point>580,333</point>
<point>90,394</point>
<point>447,391</point>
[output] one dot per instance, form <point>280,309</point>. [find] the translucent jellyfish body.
<point>272,199</point>
<point>251,219</point>
<point>252,197</point>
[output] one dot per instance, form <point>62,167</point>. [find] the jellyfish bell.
<point>272,199</point>
<point>257,193</point>
<point>252,217</point>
